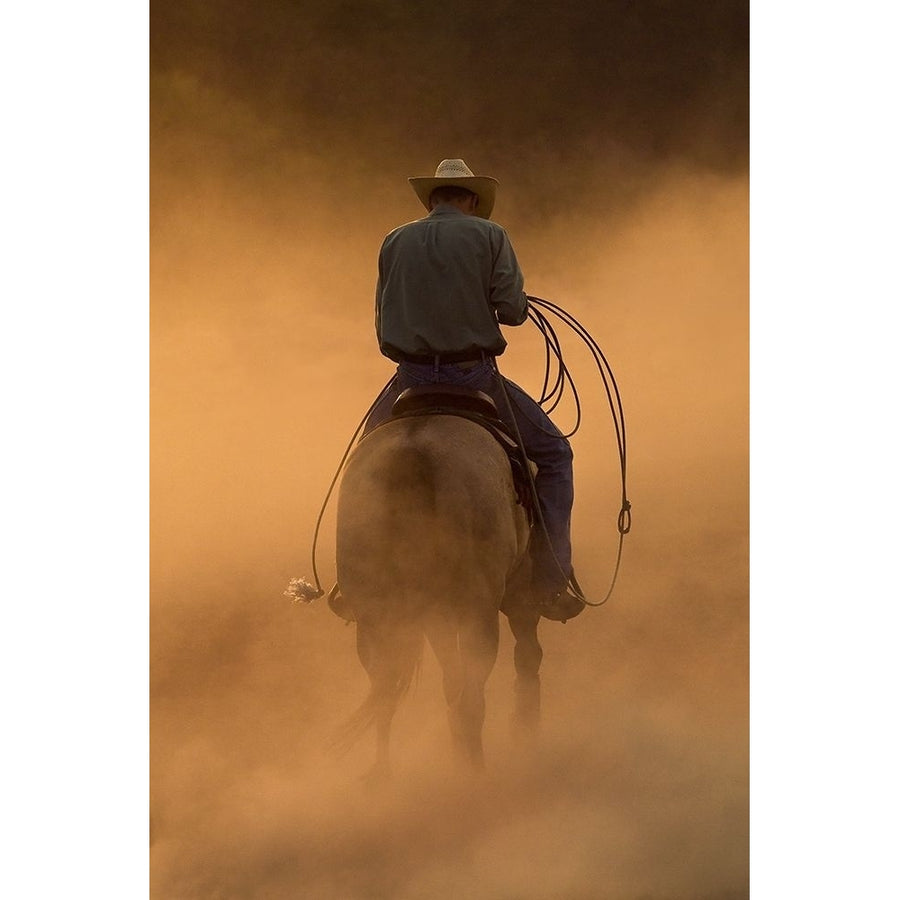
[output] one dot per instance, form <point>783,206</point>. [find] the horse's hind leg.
<point>390,655</point>
<point>479,638</point>
<point>466,653</point>
<point>523,621</point>
<point>443,635</point>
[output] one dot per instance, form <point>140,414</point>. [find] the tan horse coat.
<point>430,539</point>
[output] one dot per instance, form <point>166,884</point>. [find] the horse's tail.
<point>393,664</point>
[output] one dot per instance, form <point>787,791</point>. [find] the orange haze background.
<point>278,164</point>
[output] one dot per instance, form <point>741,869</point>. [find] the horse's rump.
<point>427,506</point>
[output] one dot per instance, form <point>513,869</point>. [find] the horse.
<point>432,543</point>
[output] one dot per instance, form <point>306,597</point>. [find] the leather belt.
<point>445,359</point>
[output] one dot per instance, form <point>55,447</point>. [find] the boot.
<point>560,605</point>
<point>339,605</point>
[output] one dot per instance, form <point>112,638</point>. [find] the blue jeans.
<point>544,445</point>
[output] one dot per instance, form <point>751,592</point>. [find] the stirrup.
<point>561,607</point>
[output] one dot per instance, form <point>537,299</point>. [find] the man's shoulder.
<point>470,224</point>
<point>461,223</point>
<point>396,233</point>
<point>405,226</point>
<point>413,225</point>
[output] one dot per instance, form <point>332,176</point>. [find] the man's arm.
<point>507,283</point>
<point>378,304</point>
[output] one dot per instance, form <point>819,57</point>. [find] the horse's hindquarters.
<point>428,534</point>
<point>427,513</point>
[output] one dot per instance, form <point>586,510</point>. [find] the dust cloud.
<point>263,363</point>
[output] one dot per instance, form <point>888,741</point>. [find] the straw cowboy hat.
<point>456,172</point>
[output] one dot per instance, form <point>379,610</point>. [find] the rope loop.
<point>318,585</point>
<point>552,393</point>
<point>550,397</point>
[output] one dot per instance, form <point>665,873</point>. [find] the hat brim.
<point>482,185</point>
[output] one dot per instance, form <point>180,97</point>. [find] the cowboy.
<point>446,282</point>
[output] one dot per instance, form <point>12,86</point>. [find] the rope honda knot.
<point>625,518</point>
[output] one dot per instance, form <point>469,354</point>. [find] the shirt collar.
<point>445,209</point>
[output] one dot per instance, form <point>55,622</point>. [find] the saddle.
<point>478,407</point>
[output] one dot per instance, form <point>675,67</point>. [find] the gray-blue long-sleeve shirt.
<point>444,284</point>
